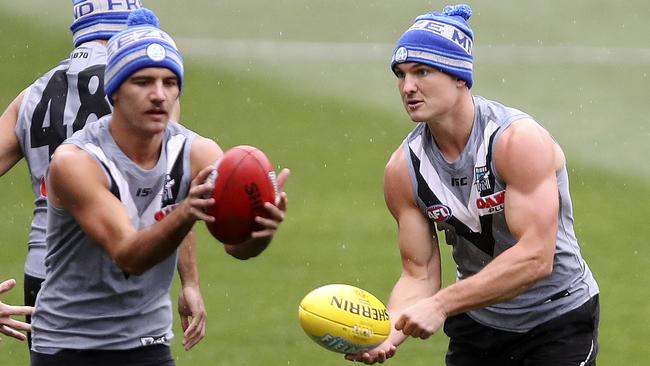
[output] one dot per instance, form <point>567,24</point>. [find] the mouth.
<point>413,104</point>
<point>156,113</point>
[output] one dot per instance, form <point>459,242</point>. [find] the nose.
<point>409,85</point>
<point>158,91</point>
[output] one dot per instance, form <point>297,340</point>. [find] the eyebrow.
<point>149,77</point>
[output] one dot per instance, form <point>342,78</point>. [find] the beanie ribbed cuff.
<point>100,19</point>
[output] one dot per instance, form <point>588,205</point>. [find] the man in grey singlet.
<point>123,194</point>
<point>59,103</point>
<point>496,183</point>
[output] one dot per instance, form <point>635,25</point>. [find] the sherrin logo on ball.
<point>344,318</point>
<point>244,181</point>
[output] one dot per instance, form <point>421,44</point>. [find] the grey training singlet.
<point>465,198</point>
<point>55,106</point>
<point>87,301</point>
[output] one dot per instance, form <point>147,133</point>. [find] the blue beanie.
<point>99,19</point>
<point>143,44</point>
<point>441,40</point>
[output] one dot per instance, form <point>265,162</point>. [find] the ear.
<point>460,83</point>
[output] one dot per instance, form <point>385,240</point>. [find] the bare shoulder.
<point>10,115</point>
<point>17,102</point>
<point>526,149</point>
<point>69,167</point>
<point>398,192</point>
<point>396,172</point>
<point>67,156</point>
<point>204,152</point>
<point>523,130</point>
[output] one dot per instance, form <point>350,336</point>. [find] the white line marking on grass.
<point>350,51</point>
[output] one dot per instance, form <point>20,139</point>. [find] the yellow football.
<point>344,318</point>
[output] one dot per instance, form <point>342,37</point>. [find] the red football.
<point>245,180</point>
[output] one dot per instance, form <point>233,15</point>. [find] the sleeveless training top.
<point>87,301</point>
<point>465,198</point>
<point>55,106</point>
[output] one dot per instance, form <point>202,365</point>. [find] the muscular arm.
<point>420,255</point>
<point>418,243</point>
<point>10,152</point>
<point>105,220</point>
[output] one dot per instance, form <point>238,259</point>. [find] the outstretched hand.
<point>9,326</point>
<point>379,354</point>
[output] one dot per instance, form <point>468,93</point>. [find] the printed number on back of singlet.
<point>54,98</point>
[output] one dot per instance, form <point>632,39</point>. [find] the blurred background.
<point>309,83</point>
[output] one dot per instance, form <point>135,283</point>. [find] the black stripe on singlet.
<point>175,174</point>
<point>483,240</point>
<point>115,190</point>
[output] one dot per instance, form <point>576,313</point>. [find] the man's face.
<point>147,97</point>
<point>427,93</point>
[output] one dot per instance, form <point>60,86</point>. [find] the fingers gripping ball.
<point>244,180</point>
<point>344,319</point>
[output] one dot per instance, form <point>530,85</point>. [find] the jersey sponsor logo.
<point>439,213</point>
<point>491,204</point>
<point>482,178</point>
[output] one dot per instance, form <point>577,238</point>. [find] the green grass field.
<point>334,117</point>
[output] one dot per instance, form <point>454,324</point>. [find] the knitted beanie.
<point>143,44</point>
<point>441,40</point>
<point>99,19</point>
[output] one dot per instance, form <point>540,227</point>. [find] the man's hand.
<point>379,354</point>
<point>199,198</point>
<point>261,238</point>
<point>9,326</point>
<point>193,316</point>
<point>421,319</point>
<point>276,211</point>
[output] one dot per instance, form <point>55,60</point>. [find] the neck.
<point>451,131</point>
<point>142,147</point>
